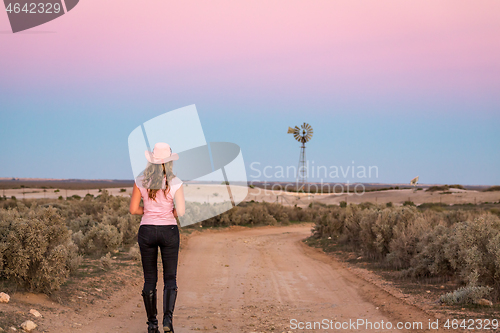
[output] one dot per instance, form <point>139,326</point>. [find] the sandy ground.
<point>245,280</point>
<point>397,197</point>
<point>218,193</point>
<point>37,193</point>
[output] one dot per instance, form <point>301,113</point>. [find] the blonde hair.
<point>154,174</point>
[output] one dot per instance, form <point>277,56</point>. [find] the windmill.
<point>414,182</point>
<point>302,135</point>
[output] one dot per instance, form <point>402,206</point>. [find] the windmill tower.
<point>302,135</point>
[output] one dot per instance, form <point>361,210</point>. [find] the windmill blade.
<point>296,133</point>
<point>290,130</point>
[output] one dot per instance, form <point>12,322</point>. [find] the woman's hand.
<point>174,211</point>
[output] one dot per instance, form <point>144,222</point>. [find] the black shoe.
<point>169,296</point>
<point>151,311</point>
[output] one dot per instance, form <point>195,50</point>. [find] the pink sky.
<point>394,77</point>
<point>378,47</point>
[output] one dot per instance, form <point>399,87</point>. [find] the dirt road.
<point>255,280</point>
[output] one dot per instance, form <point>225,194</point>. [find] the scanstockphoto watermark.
<point>362,325</point>
<point>312,171</point>
<point>326,174</point>
<point>319,187</point>
<point>365,325</point>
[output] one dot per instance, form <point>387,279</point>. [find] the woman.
<point>158,187</point>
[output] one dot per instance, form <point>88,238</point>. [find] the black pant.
<point>167,238</point>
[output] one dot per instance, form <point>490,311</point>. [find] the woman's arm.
<point>135,201</point>
<point>180,205</point>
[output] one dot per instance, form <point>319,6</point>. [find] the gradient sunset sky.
<point>412,87</point>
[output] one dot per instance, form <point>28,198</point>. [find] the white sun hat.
<point>162,153</point>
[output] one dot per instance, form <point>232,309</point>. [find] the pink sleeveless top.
<point>159,211</point>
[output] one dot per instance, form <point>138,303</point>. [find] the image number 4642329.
<point>25,15</point>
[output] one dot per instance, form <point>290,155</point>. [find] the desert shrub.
<point>128,226</point>
<point>389,205</point>
<point>283,218</point>
<point>367,234</point>
<point>455,216</point>
<point>469,250</point>
<point>343,204</point>
<point>439,207</point>
<point>328,224</point>
<point>366,205</point>
<point>246,214</point>
<point>106,261</point>
<point>294,213</point>
<point>474,250</point>
<point>438,188</point>
<point>493,188</point>
<point>10,204</point>
<point>270,220</point>
<point>82,223</point>
<point>386,222</point>
<point>100,239</point>
<point>278,212</point>
<point>495,211</point>
<point>259,214</point>
<point>465,295</point>
<point>351,226</point>
<point>134,252</point>
<point>431,257</point>
<point>424,243</point>
<point>303,215</point>
<point>406,237</point>
<point>36,250</point>
<point>75,261</point>
<point>408,203</point>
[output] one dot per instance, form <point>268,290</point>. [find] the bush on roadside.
<point>465,295</point>
<point>422,243</point>
<point>404,243</point>
<point>134,252</point>
<point>431,258</point>
<point>106,261</point>
<point>36,250</point>
<point>100,239</point>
